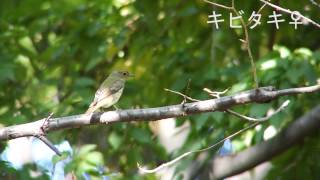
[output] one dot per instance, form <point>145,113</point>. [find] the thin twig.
<point>315,3</point>
<point>291,12</point>
<point>247,39</point>
<point>284,105</point>
<point>186,91</point>
<point>144,170</point>
<point>218,5</point>
<point>259,12</point>
<point>42,135</point>
<point>48,143</point>
<point>215,94</point>
<point>45,122</point>
<point>183,95</point>
<point>247,43</point>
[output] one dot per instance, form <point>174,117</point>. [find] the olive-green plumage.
<point>110,91</point>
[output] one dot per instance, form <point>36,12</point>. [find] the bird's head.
<point>121,74</point>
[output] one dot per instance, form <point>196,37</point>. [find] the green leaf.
<point>95,158</point>
<point>201,120</point>
<point>86,149</point>
<point>141,135</point>
<point>284,51</point>
<point>270,64</point>
<point>293,74</point>
<point>93,63</point>
<point>86,167</point>
<point>238,87</point>
<point>27,44</point>
<point>304,52</point>
<point>57,158</point>
<point>259,110</point>
<point>115,140</point>
<point>6,72</point>
<point>84,82</point>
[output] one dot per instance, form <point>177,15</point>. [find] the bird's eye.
<point>125,73</point>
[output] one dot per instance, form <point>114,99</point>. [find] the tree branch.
<point>226,166</point>
<point>291,12</point>
<point>260,95</point>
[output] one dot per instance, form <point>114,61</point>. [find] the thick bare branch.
<point>260,95</point>
<point>230,165</point>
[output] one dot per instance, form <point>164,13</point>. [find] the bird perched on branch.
<point>110,90</point>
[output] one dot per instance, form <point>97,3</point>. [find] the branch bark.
<point>260,95</point>
<point>226,166</point>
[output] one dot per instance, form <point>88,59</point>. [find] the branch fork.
<point>41,135</point>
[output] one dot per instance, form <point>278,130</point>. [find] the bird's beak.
<point>131,75</point>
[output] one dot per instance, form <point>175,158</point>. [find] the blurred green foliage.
<point>54,55</point>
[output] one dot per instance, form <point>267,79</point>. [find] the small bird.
<point>110,91</point>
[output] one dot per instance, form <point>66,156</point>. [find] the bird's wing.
<point>104,92</point>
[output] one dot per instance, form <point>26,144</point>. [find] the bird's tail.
<point>92,108</point>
